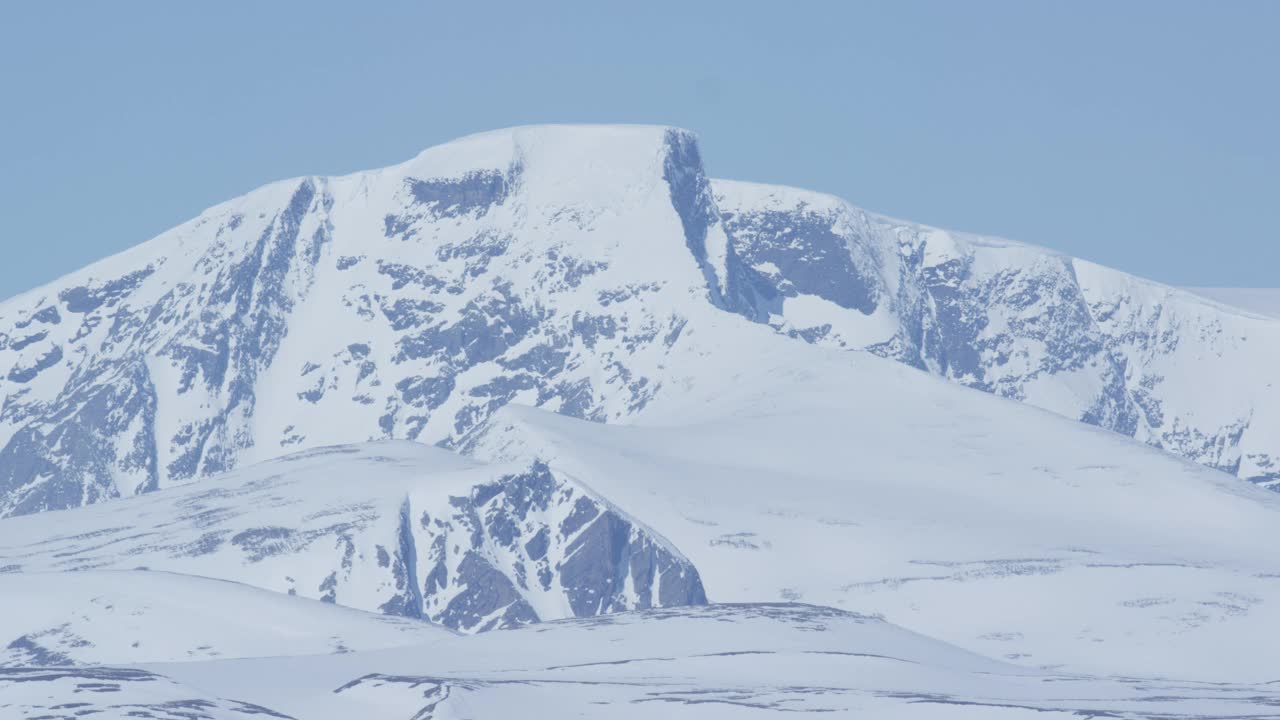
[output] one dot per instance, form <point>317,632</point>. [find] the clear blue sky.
<point>1143,135</point>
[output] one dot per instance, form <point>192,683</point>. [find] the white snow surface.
<point>104,617</point>
<point>709,663</point>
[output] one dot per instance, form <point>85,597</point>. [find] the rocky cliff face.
<point>1162,365</point>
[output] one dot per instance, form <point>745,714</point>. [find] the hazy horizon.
<point>1138,136</point>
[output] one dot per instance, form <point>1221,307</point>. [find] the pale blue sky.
<point>1143,135</point>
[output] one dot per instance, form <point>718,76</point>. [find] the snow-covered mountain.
<point>550,266</point>
<point>558,374</point>
<point>568,268</point>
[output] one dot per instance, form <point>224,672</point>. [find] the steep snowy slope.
<point>1082,340</point>
<point>395,527</point>
<point>95,617</point>
<point>849,480</point>
<point>564,267</point>
<point>716,662</point>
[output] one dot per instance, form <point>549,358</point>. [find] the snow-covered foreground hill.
<point>567,267</point>
<point>113,694</point>
<point>395,527</point>
<point>705,662</point>
<point>713,662</point>
<point>709,663</point>
<point>97,617</point>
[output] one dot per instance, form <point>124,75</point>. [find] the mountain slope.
<point>998,527</point>
<point>566,267</point>
<point>391,527</point>
<point>96,618</point>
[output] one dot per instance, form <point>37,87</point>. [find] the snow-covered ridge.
<point>392,527</point>
<point>1023,322</point>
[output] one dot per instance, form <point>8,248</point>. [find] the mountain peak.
<point>587,161</point>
